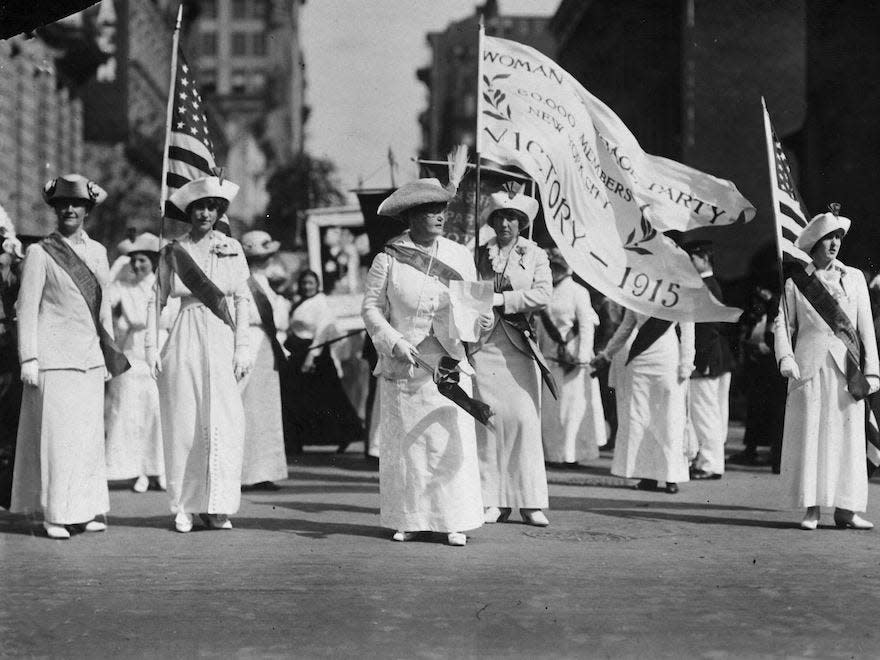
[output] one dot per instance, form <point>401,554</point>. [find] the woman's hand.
<point>487,321</point>
<point>405,351</point>
<point>30,373</point>
<point>241,363</point>
<point>154,362</point>
<point>789,368</point>
<point>684,372</point>
<point>308,364</point>
<point>599,362</point>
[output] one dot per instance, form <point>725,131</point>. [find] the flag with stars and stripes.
<point>190,149</point>
<point>788,209</point>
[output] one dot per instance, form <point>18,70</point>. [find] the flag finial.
<point>512,189</point>
<point>834,207</point>
<point>218,172</point>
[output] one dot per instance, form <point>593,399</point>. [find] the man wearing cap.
<point>710,382</point>
<point>826,347</point>
<point>429,478</point>
<point>66,350</point>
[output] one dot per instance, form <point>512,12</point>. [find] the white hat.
<point>415,193</point>
<point>145,242</point>
<point>73,186</point>
<point>822,225</point>
<point>258,244</point>
<point>208,186</point>
<point>510,197</point>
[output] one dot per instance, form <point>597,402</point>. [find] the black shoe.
<point>263,485</point>
<point>671,488</point>
<point>702,475</point>
<point>646,484</point>
<point>745,458</point>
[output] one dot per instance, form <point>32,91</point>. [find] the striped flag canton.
<point>188,117</point>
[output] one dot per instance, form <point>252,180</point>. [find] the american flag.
<point>190,149</point>
<point>788,209</point>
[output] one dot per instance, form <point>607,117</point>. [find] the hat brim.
<point>209,186</point>
<point>264,251</point>
<point>501,201</point>
<point>819,227</point>
<point>413,194</point>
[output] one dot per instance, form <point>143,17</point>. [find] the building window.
<point>209,43</point>
<point>258,43</point>
<point>256,81</point>
<point>239,9</point>
<point>209,8</point>
<point>239,43</point>
<point>208,81</point>
<point>258,8</point>
<point>238,82</point>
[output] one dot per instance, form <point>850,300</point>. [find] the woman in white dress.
<point>572,427</point>
<point>206,354</point>
<point>650,373</point>
<point>64,326</point>
<point>506,364</point>
<point>264,460</point>
<point>823,447</point>
<point>428,474</point>
<point>131,407</point>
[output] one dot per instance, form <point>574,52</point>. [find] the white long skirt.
<point>429,478</point>
<point>572,428</point>
<point>823,444</point>
<point>708,410</point>
<point>264,458</point>
<point>134,429</point>
<point>202,414</point>
<point>511,456</point>
<point>59,456</point>
<point>651,424</point>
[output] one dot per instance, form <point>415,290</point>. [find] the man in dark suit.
<point>710,382</point>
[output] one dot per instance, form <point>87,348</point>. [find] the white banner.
<point>606,202</point>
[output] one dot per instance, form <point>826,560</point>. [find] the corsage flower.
<point>499,264</point>
<point>222,246</point>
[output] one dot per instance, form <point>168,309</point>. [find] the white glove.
<point>873,384</point>
<point>486,321</point>
<point>241,363</point>
<point>405,351</point>
<point>789,368</point>
<point>684,372</point>
<point>11,245</point>
<point>308,364</point>
<point>154,363</point>
<point>30,373</point>
<point>497,300</point>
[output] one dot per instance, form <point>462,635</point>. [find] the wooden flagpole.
<point>771,162</point>
<point>169,113</point>
<point>480,33</point>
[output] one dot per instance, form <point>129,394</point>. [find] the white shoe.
<point>493,514</point>
<point>402,536</point>
<point>56,531</point>
<point>95,526</point>
<point>161,482</point>
<point>216,520</point>
<point>141,484</point>
<point>848,520</point>
<point>183,522</point>
<point>811,518</point>
<point>456,538</point>
<point>534,517</point>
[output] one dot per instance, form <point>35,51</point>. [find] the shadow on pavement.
<point>321,507</point>
<point>353,462</point>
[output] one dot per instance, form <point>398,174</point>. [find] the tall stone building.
<point>451,76</point>
<point>41,119</point>
<point>250,64</point>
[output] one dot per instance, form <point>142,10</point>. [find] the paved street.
<point>714,571</point>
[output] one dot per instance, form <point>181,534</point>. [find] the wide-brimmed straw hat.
<point>258,244</point>
<point>511,198</point>
<point>208,186</point>
<point>821,225</point>
<point>145,242</point>
<point>73,186</point>
<point>415,193</point>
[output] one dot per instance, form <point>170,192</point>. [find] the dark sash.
<point>825,304</point>
<point>519,323</point>
<point>267,318</point>
<point>88,285</point>
<point>565,359</point>
<point>420,260</point>
<point>651,331</point>
<point>194,279</point>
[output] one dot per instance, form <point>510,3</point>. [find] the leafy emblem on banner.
<point>496,98</point>
<point>647,233</point>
